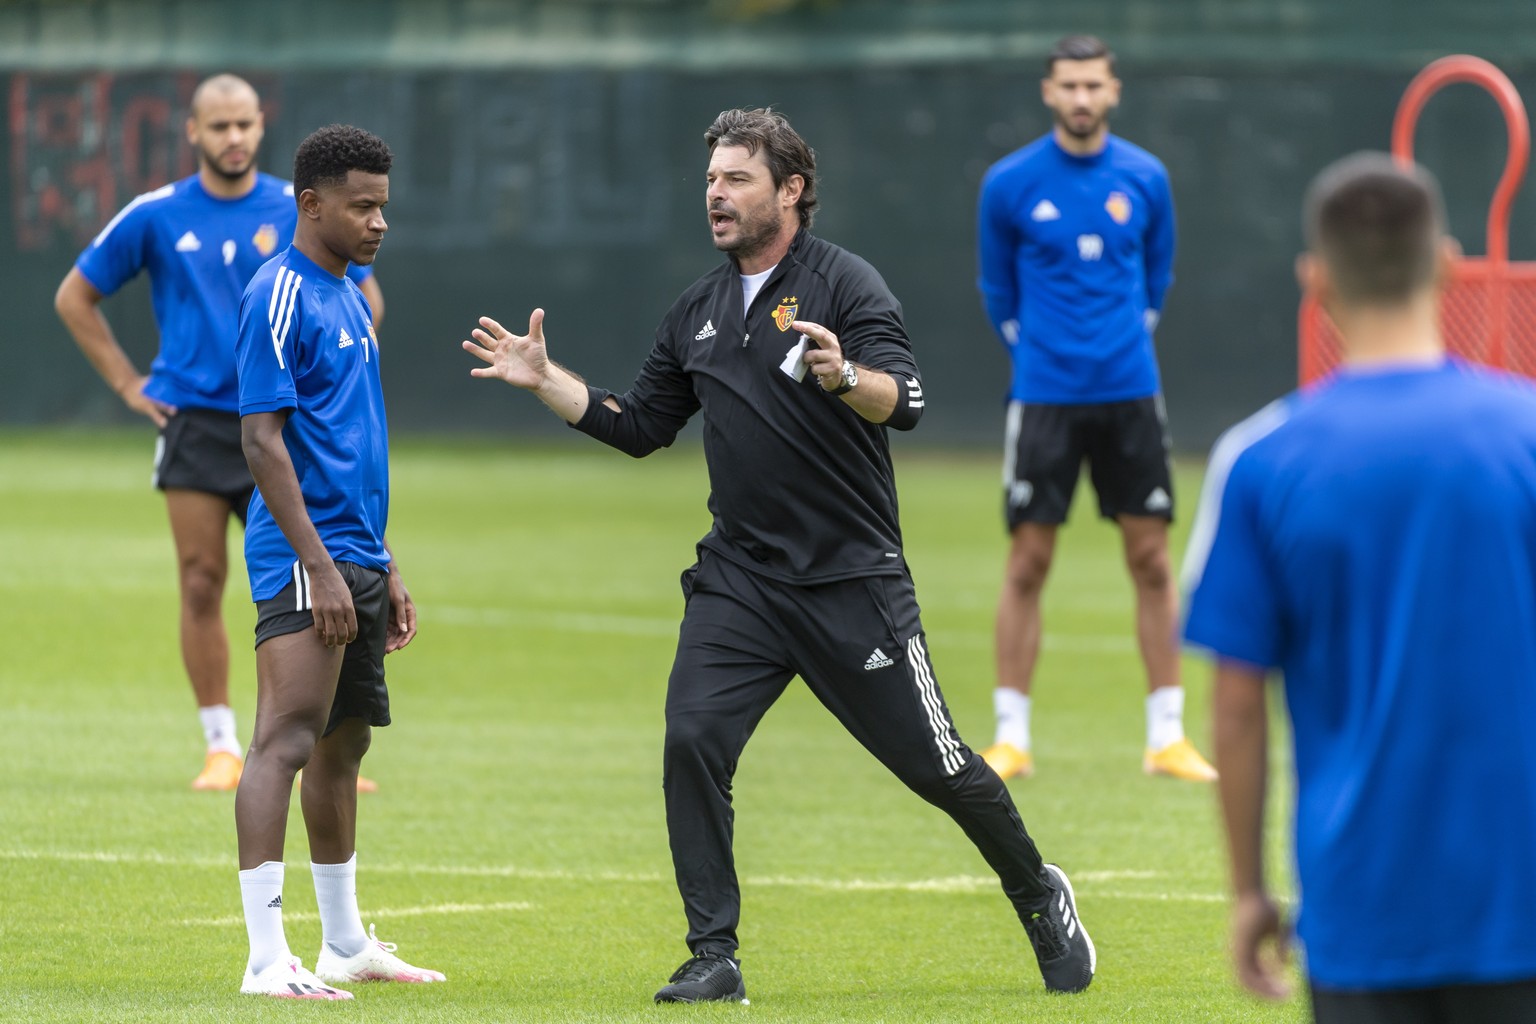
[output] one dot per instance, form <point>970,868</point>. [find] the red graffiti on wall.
<point>82,145</point>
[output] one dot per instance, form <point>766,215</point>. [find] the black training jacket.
<point>802,488</point>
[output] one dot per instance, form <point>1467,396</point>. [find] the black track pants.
<point>859,646</point>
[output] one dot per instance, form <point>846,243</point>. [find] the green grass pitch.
<point>517,842</point>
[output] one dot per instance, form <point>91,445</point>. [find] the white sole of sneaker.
<point>299,990</point>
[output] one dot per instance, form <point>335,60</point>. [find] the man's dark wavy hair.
<point>770,131</point>
<point>325,157</point>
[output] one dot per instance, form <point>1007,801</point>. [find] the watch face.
<point>850,375</point>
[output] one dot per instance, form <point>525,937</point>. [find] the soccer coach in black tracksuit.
<point>794,351</point>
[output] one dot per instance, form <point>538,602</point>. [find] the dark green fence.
<point>578,186</point>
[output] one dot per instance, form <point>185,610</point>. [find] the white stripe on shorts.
<point>1013,424</point>
<point>154,475</point>
<point>301,601</point>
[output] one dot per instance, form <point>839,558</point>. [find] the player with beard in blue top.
<point>1076,240</point>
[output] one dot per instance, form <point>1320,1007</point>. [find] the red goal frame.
<point>1488,312</point>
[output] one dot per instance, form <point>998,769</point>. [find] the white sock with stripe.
<point>341,926</point>
<point>1012,709</point>
<point>1165,717</point>
<point>219,728</point>
<point>261,891</point>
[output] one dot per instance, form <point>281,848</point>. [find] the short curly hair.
<point>328,153</point>
<point>770,131</point>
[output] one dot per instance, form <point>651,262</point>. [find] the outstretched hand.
<point>520,360</point>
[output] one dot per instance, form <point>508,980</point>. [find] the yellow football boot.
<point>1009,761</point>
<point>1179,760</point>
<point>221,771</point>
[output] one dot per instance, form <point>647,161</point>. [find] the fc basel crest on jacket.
<point>1118,206</point>
<point>784,312</point>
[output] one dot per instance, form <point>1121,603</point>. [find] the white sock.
<point>261,890</point>
<point>341,926</point>
<point>1165,716</point>
<point>1012,709</point>
<point>219,728</point>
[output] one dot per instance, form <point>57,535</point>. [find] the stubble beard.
<point>1094,125</point>
<point>211,161</point>
<point>752,238</point>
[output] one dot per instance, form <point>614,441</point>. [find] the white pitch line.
<point>958,884</point>
<point>1160,897</point>
<point>230,920</point>
<point>109,857</point>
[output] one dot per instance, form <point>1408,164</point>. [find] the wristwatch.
<point>850,379</point>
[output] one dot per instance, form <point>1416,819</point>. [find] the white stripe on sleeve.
<point>285,293</point>
<point>148,197</point>
<point>1229,446</point>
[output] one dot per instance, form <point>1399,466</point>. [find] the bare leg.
<point>1018,609</point>
<point>199,524</point>
<point>1018,647</point>
<point>1157,600</point>
<point>1157,611</point>
<point>329,794</point>
<point>296,683</point>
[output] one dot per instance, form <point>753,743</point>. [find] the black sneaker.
<point>706,977</point>
<point>1062,946</point>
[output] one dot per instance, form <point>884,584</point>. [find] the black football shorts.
<point>199,450</point>
<point>360,689</point>
<point>1126,447</point>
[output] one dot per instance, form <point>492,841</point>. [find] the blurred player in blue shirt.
<point>330,603</point>
<point>1375,540</point>
<point>1076,240</point>
<point>200,240</point>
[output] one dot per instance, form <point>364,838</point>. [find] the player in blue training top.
<point>330,603</point>
<point>200,239</point>
<point>1375,540</point>
<point>1076,252</point>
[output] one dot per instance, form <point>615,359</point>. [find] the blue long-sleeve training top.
<point>1076,254</point>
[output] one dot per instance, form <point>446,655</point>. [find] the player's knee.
<point>289,748</point>
<point>350,741</point>
<point>202,587</point>
<point>1027,571</point>
<point>1149,566</point>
